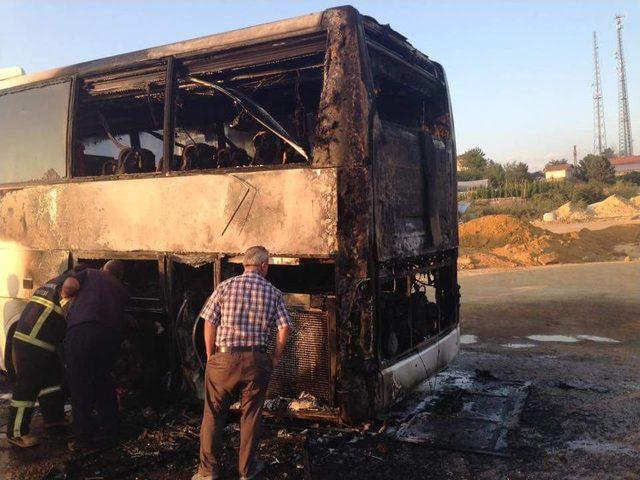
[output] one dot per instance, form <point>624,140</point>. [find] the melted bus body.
<point>326,138</point>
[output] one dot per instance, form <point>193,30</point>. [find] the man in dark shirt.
<point>94,326</point>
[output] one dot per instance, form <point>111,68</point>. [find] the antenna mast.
<point>599,131</point>
<point>625,143</point>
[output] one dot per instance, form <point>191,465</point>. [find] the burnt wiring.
<point>178,323</point>
<point>105,125</point>
<point>430,283</point>
<point>153,116</point>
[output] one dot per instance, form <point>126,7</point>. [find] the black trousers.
<point>38,377</point>
<point>90,353</point>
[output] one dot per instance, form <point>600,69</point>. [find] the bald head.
<point>115,268</point>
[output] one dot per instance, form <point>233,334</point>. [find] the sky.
<point>520,72</point>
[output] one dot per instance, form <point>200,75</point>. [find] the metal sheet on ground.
<point>464,411</point>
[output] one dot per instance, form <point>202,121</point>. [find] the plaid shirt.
<point>245,309</point>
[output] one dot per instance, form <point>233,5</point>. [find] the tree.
<point>608,153</point>
<point>494,172</point>
<point>596,168</point>
<point>631,177</point>
<point>516,172</point>
<point>473,163</point>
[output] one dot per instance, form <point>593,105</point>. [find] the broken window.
<point>33,133</point>
<point>119,124</point>
<point>256,115</point>
<point>409,97</point>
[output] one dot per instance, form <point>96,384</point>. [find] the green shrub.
<point>539,197</point>
<point>586,192</point>
<point>631,177</point>
<point>623,188</point>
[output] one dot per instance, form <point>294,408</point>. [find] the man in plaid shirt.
<point>239,317</point>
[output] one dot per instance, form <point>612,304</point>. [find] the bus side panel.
<point>414,214</point>
<point>291,212</point>
<point>402,228</point>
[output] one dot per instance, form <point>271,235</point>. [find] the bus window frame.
<point>31,86</point>
<point>173,66</point>
<point>164,62</point>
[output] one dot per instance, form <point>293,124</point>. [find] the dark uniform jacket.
<point>101,299</point>
<point>42,322</point>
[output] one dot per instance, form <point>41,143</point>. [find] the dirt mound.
<point>613,206</point>
<point>494,231</point>
<point>572,212</point>
<point>505,241</point>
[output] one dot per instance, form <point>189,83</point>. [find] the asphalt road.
<point>571,330</point>
<point>574,331</point>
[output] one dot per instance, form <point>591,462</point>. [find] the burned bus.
<point>327,138</point>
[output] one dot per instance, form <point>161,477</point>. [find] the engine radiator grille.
<point>305,364</point>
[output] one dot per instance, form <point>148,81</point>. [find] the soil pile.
<point>613,206</point>
<point>505,241</point>
<point>572,212</point>
<point>496,231</point>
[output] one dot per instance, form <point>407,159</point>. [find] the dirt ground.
<point>571,330</point>
<point>499,241</point>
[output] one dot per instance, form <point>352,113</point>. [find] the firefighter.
<point>40,330</point>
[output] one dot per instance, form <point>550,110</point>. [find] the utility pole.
<point>575,156</point>
<point>599,131</point>
<point>625,143</point>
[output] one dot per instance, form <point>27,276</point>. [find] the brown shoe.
<point>199,476</point>
<point>25,441</point>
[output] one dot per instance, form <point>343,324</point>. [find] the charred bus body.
<point>327,138</point>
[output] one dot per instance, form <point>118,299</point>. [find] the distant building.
<point>624,165</point>
<point>562,171</point>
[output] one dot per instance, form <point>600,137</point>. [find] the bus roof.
<point>235,38</point>
<point>296,26</point>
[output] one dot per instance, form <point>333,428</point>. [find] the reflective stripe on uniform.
<point>17,426</point>
<point>64,301</point>
<point>40,322</point>
<point>48,390</point>
<point>34,341</point>
<point>49,307</point>
<point>22,403</point>
<point>47,303</point>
